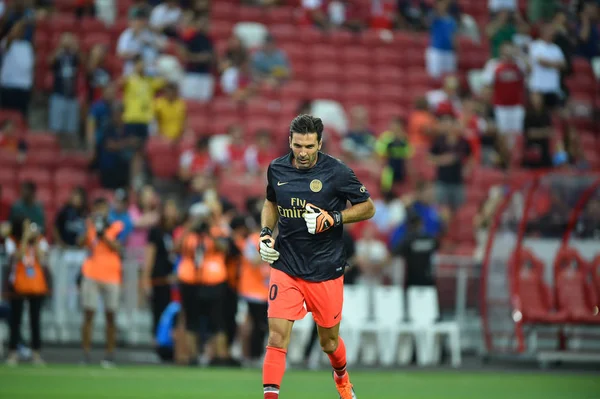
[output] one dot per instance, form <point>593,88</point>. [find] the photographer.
<point>202,276</point>
<point>28,281</point>
<point>101,276</point>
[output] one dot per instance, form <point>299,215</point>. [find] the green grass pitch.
<point>92,382</point>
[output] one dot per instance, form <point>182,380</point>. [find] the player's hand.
<point>317,220</point>
<point>266,248</point>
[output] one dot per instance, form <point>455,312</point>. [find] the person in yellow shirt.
<point>139,91</point>
<point>170,113</point>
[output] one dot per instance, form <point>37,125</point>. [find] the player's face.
<point>305,147</point>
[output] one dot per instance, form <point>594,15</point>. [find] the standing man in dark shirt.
<point>64,106</point>
<point>199,54</point>
<point>417,249</point>
<point>450,152</point>
<point>70,221</point>
<point>538,135</point>
<point>307,195</point>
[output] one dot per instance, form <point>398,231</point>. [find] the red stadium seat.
<point>357,55</point>
<point>324,53</point>
<point>283,33</point>
<point>280,15</point>
<point>14,116</point>
<point>575,292</point>
<point>69,177</point>
<point>8,177</point>
<point>532,297</point>
<point>224,10</point>
<point>42,141</point>
<point>39,176</point>
<point>40,158</point>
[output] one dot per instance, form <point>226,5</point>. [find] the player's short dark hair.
<point>305,124</point>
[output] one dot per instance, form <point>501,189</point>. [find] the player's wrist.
<point>337,218</point>
<point>265,231</point>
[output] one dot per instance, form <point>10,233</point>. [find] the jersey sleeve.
<point>350,188</point>
<point>270,190</point>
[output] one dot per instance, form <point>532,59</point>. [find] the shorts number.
<point>273,292</point>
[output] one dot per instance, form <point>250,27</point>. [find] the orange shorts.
<point>287,296</point>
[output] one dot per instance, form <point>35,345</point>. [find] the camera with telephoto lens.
<point>100,224</point>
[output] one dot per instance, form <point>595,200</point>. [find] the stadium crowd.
<point>128,101</point>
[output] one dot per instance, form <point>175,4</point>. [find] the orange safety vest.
<point>254,279</point>
<point>103,264</point>
<point>28,276</point>
<point>201,262</point>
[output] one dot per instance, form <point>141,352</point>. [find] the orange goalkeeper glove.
<point>318,220</point>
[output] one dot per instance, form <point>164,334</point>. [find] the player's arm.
<point>268,219</point>
<point>359,212</point>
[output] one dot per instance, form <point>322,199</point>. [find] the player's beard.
<point>307,162</point>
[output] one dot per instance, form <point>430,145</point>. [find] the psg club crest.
<point>316,185</point>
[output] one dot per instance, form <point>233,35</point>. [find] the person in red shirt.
<point>196,161</point>
<point>505,78</point>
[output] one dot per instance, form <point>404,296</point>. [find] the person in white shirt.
<point>546,60</point>
<point>372,256</point>
<point>139,40</point>
<point>165,16</point>
<point>16,70</point>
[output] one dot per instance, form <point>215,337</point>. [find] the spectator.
<point>538,134</point>
<point>441,55</point>
<point>420,124</point>
<point>101,277</point>
<point>447,97</point>
<point>422,202</point>
<point>417,249</point>
<point>138,41</point>
<point>195,161</point>
<point>547,61</point>
<point>259,155</point>
<point>98,75</point>
<point>120,212</point>
<point>238,82</point>
<point>160,261</point>
<point>27,250</point>
<point>235,53</point>
<point>271,64</point>
<point>20,12</point>
<point>116,150</point>
<point>393,148</point>
<point>165,17</point>
<point>199,55</point>
<point>504,27</point>
<point>170,335</point>
<point>170,112</point>
<point>139,90</point>
<point>382,14</point>
<point>451,154</point>
<point>493,147</point>
<point>99,119</point>
<point>237,145</point>
<point>505,77</point>
<point>413,14</point>
<point>541,10</point>
<point>11,142</point>
<point>359,142</point>
<point>64,105</point>
<point>372,255</point>
<point>16,72</point>
<point>390,212</point>
<point>571,144</point>
<point>345,14</point>
<point>588,33</point>
<point>27,207</point>
<point>313,12</point>
<point>472,125</point>
<point>69,224</point>
<point>563,39</point>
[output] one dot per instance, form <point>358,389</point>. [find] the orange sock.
<point>338,358</point>
<point>273,370</point>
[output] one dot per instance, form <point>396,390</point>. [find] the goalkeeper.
<point>307,194</point>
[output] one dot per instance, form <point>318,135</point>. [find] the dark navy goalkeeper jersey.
<point>330,184</point>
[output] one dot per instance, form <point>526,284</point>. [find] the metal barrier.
<point>62,314</point>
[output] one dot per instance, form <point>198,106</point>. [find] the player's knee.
<point>277,340</point>
<point>329,344</point>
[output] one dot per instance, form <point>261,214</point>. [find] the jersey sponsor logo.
<point>296,210</point>
<point>280,183</point>
<point>316,185</point>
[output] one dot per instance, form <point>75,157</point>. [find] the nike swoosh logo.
<point>338,315</point>
<point>281,184</point>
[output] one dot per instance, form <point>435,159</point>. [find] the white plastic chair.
<point>252,34</point>
<point>423,311</point>
<point>475,78</point>
<point>331,113</point>
<point>355,320</point>
<point>394,335</point>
